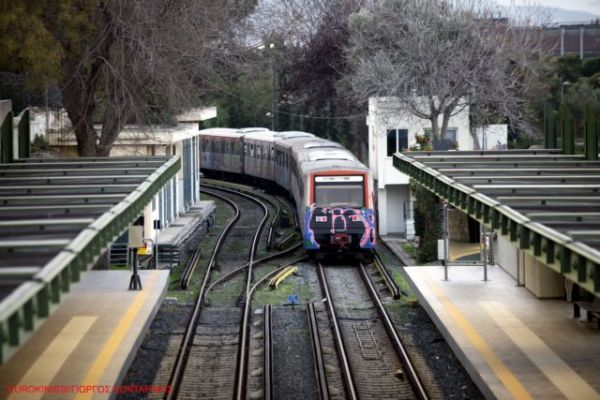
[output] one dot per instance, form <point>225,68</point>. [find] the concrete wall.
<point>391,209</point>
<point>458,225</point>
<point>507,257</point>
<point>537,277</point>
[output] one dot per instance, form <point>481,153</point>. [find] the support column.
<point>549,127</point>
<point>591,134</point>
<point>568,134</point>
<point>581,34</point>
<point>6,139</point>
<point>24,134</point>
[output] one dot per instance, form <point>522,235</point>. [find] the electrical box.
<point>441,249</point>
<point>136,236</point>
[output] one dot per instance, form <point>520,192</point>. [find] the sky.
<point>591,6</point>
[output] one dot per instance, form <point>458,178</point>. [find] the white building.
<point>392,129</point>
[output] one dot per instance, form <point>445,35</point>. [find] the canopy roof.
<point>547,201</point>
<point>57,216</point>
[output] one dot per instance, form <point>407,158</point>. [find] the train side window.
<point>245,149</point>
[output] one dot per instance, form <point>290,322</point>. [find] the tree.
<point>310,37</point>
<point>120,61</point>
<point>439,57</point>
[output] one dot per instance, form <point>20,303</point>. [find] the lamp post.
<point>272,65</point>
<point>562,89</point>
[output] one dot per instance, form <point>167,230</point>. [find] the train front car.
<point>339,216</point>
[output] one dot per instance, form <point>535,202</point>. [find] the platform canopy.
<point>546,201</point>
<point>57,216</point>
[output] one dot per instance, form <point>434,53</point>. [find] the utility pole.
<point>273,89</point>
<point>273,92</point>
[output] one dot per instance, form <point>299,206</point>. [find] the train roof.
<point>252,130</point>
<point>321,144</point>
<point>223,132</point>
<point>320,155</point>
<point>333,164</point>
<point>268,136</point>
<point>286,135</point>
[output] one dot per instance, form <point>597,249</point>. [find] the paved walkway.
<point>512,344</point>
<point>186,222</point>
<point>90,339</point>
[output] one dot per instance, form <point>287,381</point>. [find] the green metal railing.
<point>568,124</point>
<point>6,139</point>
<point>24,134</point>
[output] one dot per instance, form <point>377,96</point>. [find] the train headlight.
<point>356,218</point>
<point>321,219</point>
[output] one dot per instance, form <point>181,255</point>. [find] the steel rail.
<point>189,269</point>
<point>389,326</point>
<point>241,188</point>
<point>242,352</point>
<point>231,274</point>
<point>275,220</point>
<point>318,352</point>
<point>386,276</point>
<point>266,278</point>
<point>182,355</point>
<point>268,353</point>
<point>337,334</point>
<point>186,276</point>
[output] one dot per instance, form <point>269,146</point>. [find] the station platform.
<point>89,340</point>
<point>187,229</point>
<point>512,344</point>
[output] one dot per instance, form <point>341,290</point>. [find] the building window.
<point>447,142</point>
<point>397,140</point>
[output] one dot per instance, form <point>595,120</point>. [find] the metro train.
<point>332,190</point>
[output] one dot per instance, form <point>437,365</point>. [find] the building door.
<point>396,196</point>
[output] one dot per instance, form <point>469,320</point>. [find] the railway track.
<point>211,343</point>
<point>273,203</point>
<point>372,359</point>
<point>359,356</point>
<point>215,342</point>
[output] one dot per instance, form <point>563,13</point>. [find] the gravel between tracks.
<point>371,355</point>
<point>294,374</point>
<point>154,360</point>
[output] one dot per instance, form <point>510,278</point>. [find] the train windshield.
<point>339,191</point>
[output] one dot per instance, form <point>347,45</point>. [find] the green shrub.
<point>590,66</point>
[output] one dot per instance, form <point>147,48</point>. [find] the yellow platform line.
<point>52,359</point>
<point>558,372</point>
<point>508,379</point>
<point>99,366</point>
<point>466,250</point>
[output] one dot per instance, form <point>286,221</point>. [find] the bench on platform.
<point>592,308</point>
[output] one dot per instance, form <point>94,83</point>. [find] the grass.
<point>228,293</point>
<point>292,285</point>
<point>410,249</point>
<point>403,284</point>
